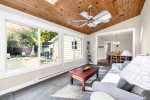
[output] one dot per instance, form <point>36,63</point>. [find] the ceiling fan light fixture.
<point>51,1</point>
<point>91,25</point>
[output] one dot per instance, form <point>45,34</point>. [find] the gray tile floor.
<point>44,90</point>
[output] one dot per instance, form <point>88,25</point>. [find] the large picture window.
<point>21,46</point>
<point>72,47</point>
<point>24,43</point>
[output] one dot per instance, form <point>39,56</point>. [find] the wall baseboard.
<point>13,89</point>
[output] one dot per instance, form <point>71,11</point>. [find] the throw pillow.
<point>138,90</point>
<point>124,65</point>
<point>123,84</point>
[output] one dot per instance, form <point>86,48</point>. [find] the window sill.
<point>26,70</point>
<point>67,61</point>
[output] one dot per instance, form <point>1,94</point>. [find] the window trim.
<point>38,67</point>
<point>74,59</point>
<point>26,70</point>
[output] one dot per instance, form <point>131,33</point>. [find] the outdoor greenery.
<point>47,35</point>
<point>29,37</point>
<point>23,38</point>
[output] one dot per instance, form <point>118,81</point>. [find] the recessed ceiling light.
<point>51,1</point>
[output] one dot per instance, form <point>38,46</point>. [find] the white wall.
<point>131,23</point>
<point>10,82</point>
<point>145,37</point>
<point>145,30</point>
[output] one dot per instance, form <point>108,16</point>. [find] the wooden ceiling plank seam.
<point>66,12</point>
<point>113,7</point>
<point>81,4</point>
<point>125,9</point>
<point>52,11</point>
<point>92,2</point>
<point>108,6</point>
<point>135,4</point>
<point>128,8</point>
<point>70,18</point>
<point>123,15</point>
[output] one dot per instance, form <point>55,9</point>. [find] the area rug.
<point>73,92</point>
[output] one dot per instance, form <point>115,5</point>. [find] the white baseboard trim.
<point>13,89</point>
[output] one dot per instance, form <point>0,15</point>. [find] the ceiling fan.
<point>92,21</point>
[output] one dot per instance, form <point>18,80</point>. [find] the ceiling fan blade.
<point>101,21</point>
<point>105,17</point>
<point>79,20</point>
<point>85,15</point>
<point>101,14</point>
<point>84,24</point>
<point>92,24</point>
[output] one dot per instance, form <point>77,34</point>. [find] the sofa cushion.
<point>117,93</point>
<point>123,84</point>
<point>113,75</point>
<point>101,95</point>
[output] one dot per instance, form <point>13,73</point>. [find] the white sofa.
<point>109,85</point>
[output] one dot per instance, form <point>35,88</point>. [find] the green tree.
<point>47,35</point>
<point>29,38</point>
<point>26,37</point>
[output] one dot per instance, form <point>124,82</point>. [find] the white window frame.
<point>5,73</point>
<point>75,59</point>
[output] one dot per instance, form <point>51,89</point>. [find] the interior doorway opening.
<point>115,47</point>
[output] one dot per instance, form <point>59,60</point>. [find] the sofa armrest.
<point>115,92</point>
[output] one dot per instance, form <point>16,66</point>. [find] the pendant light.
<point>116,42</point>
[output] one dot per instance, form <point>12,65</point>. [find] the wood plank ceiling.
<point>64,11</point>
